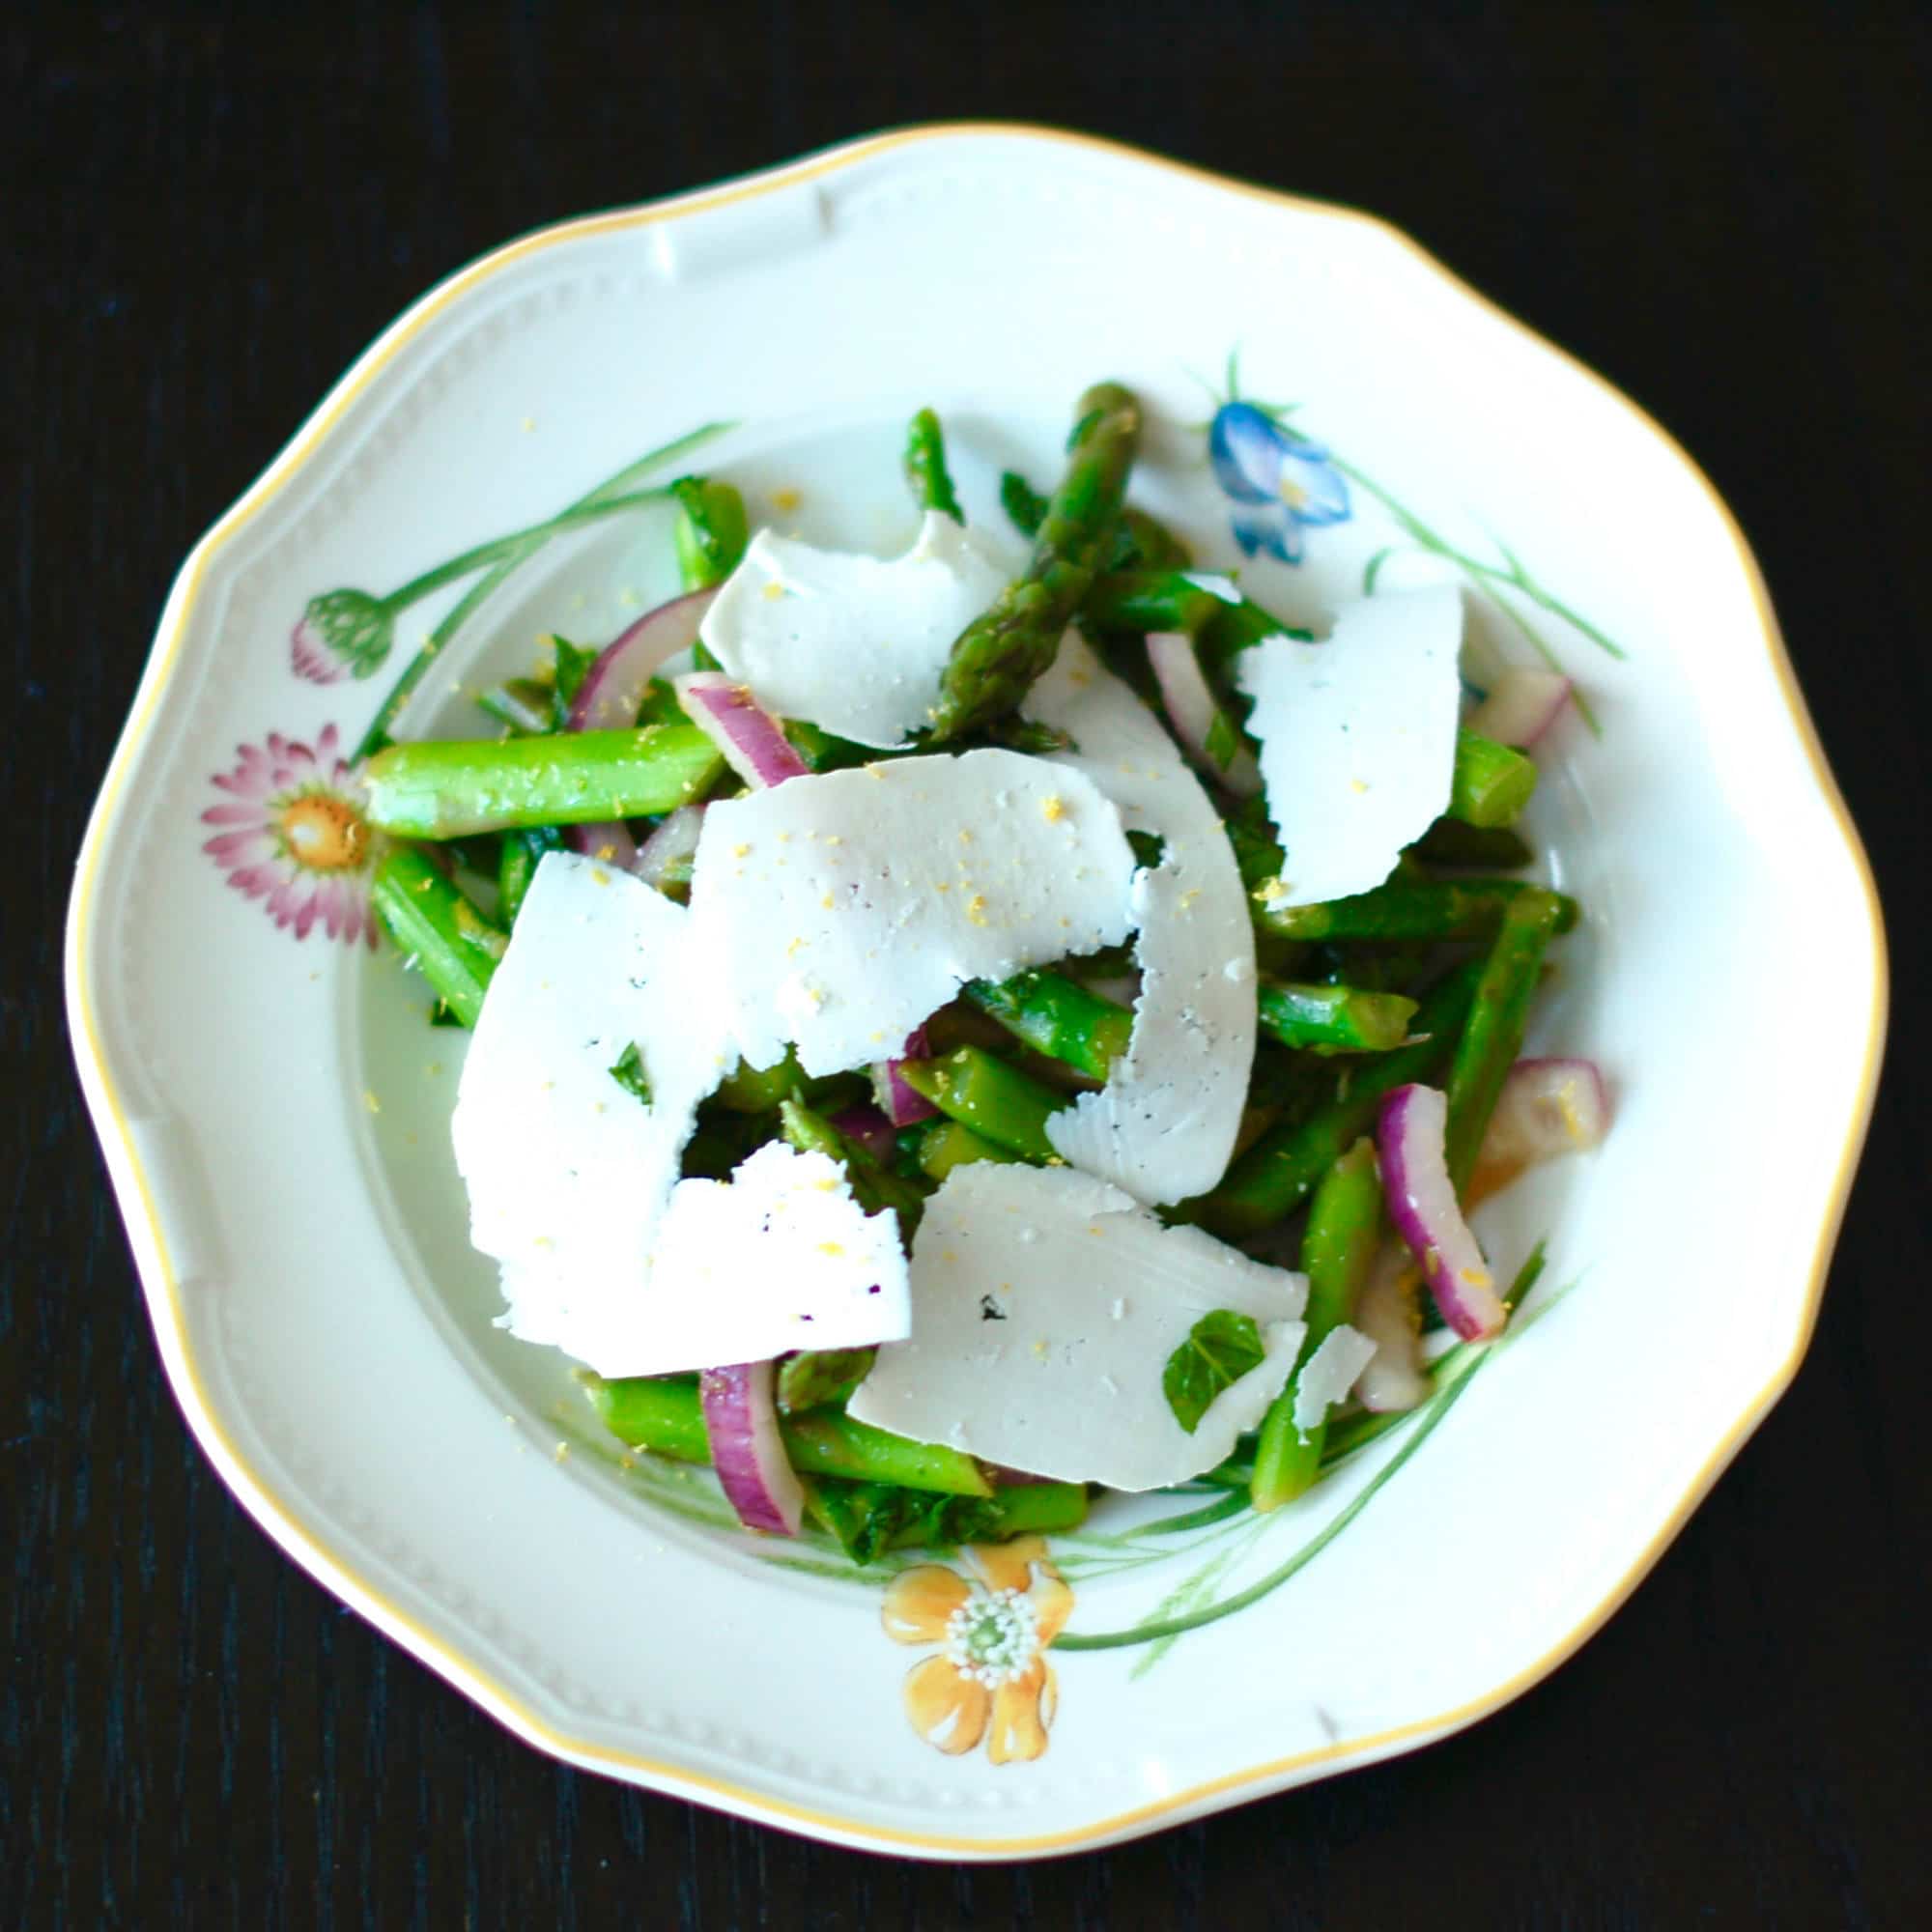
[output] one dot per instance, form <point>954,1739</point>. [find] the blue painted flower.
<point>1284,482</point>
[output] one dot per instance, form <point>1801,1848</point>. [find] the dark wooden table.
<point>204,218</point>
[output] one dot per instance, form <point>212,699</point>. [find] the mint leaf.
<point>572,667</point>
<point>868,1519</point>
<point>1220,1349</point>
<point>629,1074</point>
<point>1222,741</point>
<point>1023,504</point>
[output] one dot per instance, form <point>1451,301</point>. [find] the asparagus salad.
<point>921,1004</point>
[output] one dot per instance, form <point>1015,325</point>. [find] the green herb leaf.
<point>1222,741</point>
<point>816,1377</point>
<point>1220,1349</point>
<point>868,1519</point>
<point>1023,504</point>
<point>572,667</point>
<point>629,1074</point>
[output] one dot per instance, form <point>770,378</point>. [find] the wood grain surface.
<point>205,216</point>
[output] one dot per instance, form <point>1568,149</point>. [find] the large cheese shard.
<point>839,911</point>
<point>1164,1125</point>
<point>1357,738</point>
<point>574,1181</point>
<point>856,645</point>
<point>778,1257</point>
<point>1046,1306</point>
<point>1329,1374</point>
<point>568,1172</point>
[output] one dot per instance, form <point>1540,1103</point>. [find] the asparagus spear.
<point>999,655</point>
<point>1281,1170</point>
<point>999,1102</point>
<point>945,1145</point>
<point>1449,841</point>
<point>441,789</point>
<point>1335,1019</point>
<point>1058,1016</point>
<point>926,467</point>
<point>1142,542</point>
<point>1403,908</point>
<point>1344,1229</point>
<point>668,1416</point>
<point>1493,1035</point>
<point>711,532</point>
<point>437,929</point>
<point>1491,783</point>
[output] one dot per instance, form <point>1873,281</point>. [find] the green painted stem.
<point>610,490</point>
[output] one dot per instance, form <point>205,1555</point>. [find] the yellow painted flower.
<point>990,1679</point>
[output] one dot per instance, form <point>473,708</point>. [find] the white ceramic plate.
<point>274,1107</point>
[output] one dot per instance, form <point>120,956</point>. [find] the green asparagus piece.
<point>441,789</point>
<point>758,1089</point>
<point>926,467</point>
<point>711,531</point>
<point>516,865</point>
<point>999,655</point>
<point>1059,1017</point>
<point>817,1377</point>
<point>999,1102</point>
<point>1335,1019</point>
<point>1491,783</point>
<point>1493,1035</point>
<point>1281,1170</point>
<point>1344,1230</point>
<point>1039,1509</point>
<point>945,1145</point>
<point>668,1416</point>
<point>1479,848</point>
<point>1142,542</point>
<point>1408,909</point>
<point>876,1188</point>
<point>437,929</point>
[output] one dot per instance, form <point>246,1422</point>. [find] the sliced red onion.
<point>897,1101</point>
<point>673,840</point>
<point>613,693</point>
<point>754,743</point>
<point>1191,708</point>
<point>868,1130</point>
<point>1385,1312</point>
<point>1523,704</point>
<point>742,1421</point>
<point>1546,1108</point>
<point>1422,1203</point>
<point>1014,1479</point>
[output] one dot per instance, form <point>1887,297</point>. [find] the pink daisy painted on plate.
<point>293,834</point>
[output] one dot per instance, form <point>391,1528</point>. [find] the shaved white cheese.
<point>837,912</point>
<point>1329,1374</point>
<point>1046,1306</point>
<point>1357,737</point>
<point>854,643</point>
<point>778,1257</point>
<point>1164,1125</point>
<point>568,1172</point>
